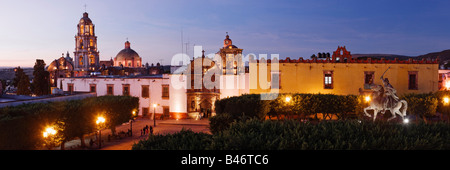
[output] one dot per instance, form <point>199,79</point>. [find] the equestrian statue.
<point>385,98</point>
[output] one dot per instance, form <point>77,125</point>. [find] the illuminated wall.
<point>347,78</point>
<point>175,102</point>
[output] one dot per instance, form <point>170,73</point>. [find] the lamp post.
<point>154,120</point>
<point>131,122</point>
<point>99,122</point>
<point>446,101</point>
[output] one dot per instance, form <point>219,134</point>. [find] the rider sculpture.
<point>385,98</point>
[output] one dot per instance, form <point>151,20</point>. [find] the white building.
<point>170,97</point>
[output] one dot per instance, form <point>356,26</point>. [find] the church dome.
<point>128,54</point>
<point>85,20</point>
<point>127,57</point>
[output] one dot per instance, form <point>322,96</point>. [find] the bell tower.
<point>227,42</point>
<point>86,54</point>
<point>231,58</point>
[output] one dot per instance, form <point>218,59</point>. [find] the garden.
<point>314,122</point>
<point>46,125</point>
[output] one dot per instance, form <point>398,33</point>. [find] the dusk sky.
<point>44,29</point>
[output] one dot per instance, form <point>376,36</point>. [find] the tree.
<point>41,85</point>
<point>116,110</point>
<point>421,105</point>
<point>18,72</point>
<point>23,87</point>
<point>77,118</point>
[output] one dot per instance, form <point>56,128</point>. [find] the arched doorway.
<point>206,107</point>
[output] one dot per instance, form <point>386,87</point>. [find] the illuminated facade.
<point>228,80</point>
<point>155,89</point>
<point>344,75</point>
<point>60,68</point>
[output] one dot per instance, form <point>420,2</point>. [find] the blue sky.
<point>44,29</point>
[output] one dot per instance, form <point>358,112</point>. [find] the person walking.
<point>151,130</point>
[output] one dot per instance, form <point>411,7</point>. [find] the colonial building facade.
<point>155,89</point>
<point>343,75</point>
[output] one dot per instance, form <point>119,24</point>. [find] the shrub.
<point>183,140</point>
<point>255,134</point>
<point>326,135</point>
<point>248,105</point>
<point>421,105</point>
<point>220,122</point>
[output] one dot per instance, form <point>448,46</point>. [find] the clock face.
<point>226,42</point>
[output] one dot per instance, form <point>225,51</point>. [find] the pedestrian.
<point>143,129</point>
<point>91,143</point>
<point>141,132</point>
<point>151,130</point>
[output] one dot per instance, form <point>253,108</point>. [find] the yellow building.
<point>343,75</point>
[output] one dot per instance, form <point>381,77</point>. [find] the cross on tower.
<point>85,7</point>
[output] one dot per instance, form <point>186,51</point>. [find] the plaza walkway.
<point>162,127</point>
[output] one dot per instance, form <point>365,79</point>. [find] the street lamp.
<point>99,122</point>
<point>446,100</point>
<point>287,99</point>
<point>367,99</point>
<point>49,131</point>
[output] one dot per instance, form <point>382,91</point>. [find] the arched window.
<point>81,29</point>
<point>92,59</point>
<point>81,60</point>
<point>192,105</point>
<point>91,43</point>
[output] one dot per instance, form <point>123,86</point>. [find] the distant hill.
<point>444,56</point>
<point>379,56</point>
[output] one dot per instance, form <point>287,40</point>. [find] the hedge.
<point>302,106</point>
<point>248,105</point>
<point>255,134</point>
<point>183,140</point>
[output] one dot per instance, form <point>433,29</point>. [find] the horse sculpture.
<point>384,99</point>
<point>377,104</point>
